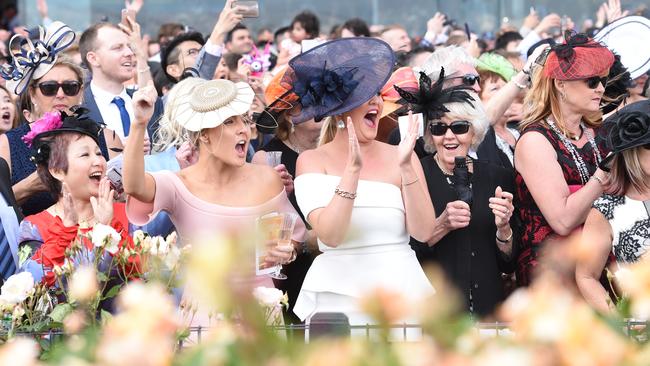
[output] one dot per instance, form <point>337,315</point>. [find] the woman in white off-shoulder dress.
<point>363,198</point>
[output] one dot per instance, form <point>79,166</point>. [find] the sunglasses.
<point>50,88</point>
<point>593,81</point>
<point>468,79</point>
<point>456,127</point>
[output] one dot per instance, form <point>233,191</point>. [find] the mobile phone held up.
<point>114,175</point>
<point>130,14</point>
<point>248,8</point>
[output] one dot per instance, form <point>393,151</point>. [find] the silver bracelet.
<point>345,194</point>
<point>598,179</point>
<point>504,241</point>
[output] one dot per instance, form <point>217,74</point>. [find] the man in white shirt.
<point>106,52</point>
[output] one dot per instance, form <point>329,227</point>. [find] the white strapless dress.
<point>374,254</point>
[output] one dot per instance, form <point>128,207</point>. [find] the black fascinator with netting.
<point>430,98</point>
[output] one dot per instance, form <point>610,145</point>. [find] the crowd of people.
<point>489,158</point>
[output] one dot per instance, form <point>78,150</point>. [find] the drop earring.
<point>340,124</point>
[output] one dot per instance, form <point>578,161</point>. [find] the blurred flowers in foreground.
<point>548,324</point>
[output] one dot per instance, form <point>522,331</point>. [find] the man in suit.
<point>106,52</point>
<point>10,217</point>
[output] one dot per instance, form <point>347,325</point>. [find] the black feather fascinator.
<point>430,98</point>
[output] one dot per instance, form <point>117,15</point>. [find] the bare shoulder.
<point>534,144</point>
<point>312,161</point>
<point>265,177</point>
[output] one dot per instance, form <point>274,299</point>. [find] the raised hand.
<point>436,24</point>
<point>405,147</point>
<point>502,208</point>
<point>550,21</point>
<point>228,19</point>
<point>41,7</point>
<point>456,215</point>
<point>70,217</point>
<point>613,10</point>
<point>144,100</point>
<point>103,203</point>
<point>186,155</point>
<point>532,19</point>
<point>354,150</point>
<point>135,5</point>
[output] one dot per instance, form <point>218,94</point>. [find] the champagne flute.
<point>287,223</point>
<point>273,158</point>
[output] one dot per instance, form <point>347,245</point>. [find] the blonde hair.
<point>328,130</point>
<point>170,132</point>
<point>542,101</point>
<point>627,172</point>
<point>472,112</point>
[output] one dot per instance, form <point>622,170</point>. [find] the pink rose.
<point>50,121</point>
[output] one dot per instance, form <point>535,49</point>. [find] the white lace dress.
<point>630,222</point>
<point>375,252</point>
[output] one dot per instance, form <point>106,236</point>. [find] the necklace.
<point>82,222</point>
<point>444,171</point>
<point>577,158</point>
<point>294,146</point>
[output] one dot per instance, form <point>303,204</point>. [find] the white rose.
<point>17,288</point>
<point>159,246</point>
<point>105,236</point>
<point>172,258</point>
<point>83,284</point>
<point>267,296</point>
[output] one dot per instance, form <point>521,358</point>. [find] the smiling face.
<point>450,145</point>
<point>112,55</point>
<point>7,111</point>
<point>60,101</point>
<point>366,118</point>
<point>85,166</point>
<point>227,142</point>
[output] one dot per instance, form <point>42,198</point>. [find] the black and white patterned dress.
<point>630,226</point>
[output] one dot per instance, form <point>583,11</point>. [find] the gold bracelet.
<point>345,194</point>
<point>409,183</point>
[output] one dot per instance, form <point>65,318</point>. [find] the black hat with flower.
<point>430,98</point>
<point>627,129</point>
<point>338,76</point>
<point>55,123</point>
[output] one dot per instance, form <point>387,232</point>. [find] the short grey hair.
<point>472,112</point>
<point>449,58</point>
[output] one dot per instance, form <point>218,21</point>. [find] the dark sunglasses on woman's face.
<point>50,88</point>
<point>456,127</point>
<point>593,81</point>
<point>468,79</point>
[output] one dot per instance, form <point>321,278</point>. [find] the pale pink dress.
<point>194,217</point>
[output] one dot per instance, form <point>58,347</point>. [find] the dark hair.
<point>58,160</point>
<point>168,31</point>
<point>357,26</point>
<point>309,21</point>
<point>405,58</point>
<point>232,32</point>
<point>88,40</point>
<point>507,37</point>
<point>231,59</point>
<point>278,32</point>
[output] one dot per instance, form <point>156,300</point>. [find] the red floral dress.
<point>57,237</point>
<point>536,229</point>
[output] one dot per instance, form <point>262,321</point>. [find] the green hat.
<point>497,64</point>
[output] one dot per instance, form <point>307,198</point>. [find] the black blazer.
<point>94,114</point>
<point>490,152</point>
<point>5,188</point>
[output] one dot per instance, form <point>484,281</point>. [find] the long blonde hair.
<point>627,172</point>
<point>170,132</point>
<point>328,130</point>
<point>542,101</point>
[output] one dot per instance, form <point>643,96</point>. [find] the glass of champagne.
<point>273,158</point>
<point>287,223</point>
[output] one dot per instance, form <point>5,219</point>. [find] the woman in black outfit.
<point>475,232</point>
<point>291,140</point>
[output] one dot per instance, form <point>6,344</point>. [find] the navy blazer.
<point>94,114</point>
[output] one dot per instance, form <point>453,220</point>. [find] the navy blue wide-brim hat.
<point>338,76</point>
